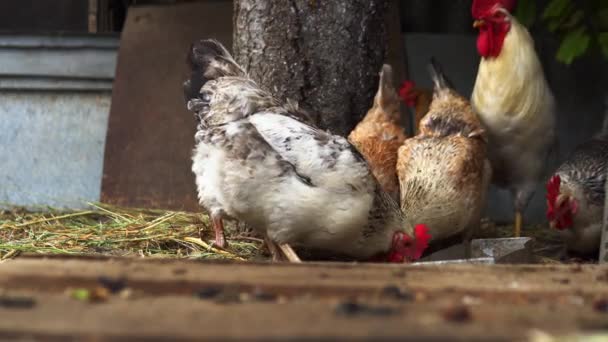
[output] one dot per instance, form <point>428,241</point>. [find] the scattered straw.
<point>111,230</point>
<point>205,245</point>
<point>45,219</point>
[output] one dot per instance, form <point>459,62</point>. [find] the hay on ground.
<point>111,230</point>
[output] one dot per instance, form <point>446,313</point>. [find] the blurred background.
<point>91,107</point>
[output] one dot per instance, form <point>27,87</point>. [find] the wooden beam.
<point>186,300</point>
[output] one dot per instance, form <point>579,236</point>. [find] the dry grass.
<point>112,230</point>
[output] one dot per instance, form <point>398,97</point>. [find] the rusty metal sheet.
<point>150,133</point>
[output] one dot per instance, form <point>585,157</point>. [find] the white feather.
<point>515,104</point>
<point>330,214</point>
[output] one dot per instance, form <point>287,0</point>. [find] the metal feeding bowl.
<point>485,251</point>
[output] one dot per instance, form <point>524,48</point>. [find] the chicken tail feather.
<point>440,81</point>
<point>208,60</point>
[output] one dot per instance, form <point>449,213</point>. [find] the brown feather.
<point>379,135</point>
<point>443,171</point>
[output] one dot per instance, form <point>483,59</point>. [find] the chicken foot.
<point>518,223</point>
<point>274,250</point>
<point>278,251</point>
<point>289,253</point>
<point>218,226</point>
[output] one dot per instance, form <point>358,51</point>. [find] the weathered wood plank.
<point>306,301</point>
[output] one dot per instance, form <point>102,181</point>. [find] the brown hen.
<point>379,135</point>
<point>418,99</point>
<point>443,171</point>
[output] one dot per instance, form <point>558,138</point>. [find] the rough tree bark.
<point>324,54</point>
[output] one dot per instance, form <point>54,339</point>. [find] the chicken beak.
<point>478,23</point>
<point>561,198</point>
<point>552,225</point>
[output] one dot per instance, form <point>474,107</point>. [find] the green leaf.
<point>556,9</point>
<point>602,18</point>
<point>526,12</point>
<point>554,24</point>
<point>602,39</point>
<point>574,19</point>
<point>574,45</point>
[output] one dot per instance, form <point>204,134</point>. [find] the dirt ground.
<point>63,298</point>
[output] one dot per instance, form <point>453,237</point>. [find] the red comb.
<point>421,233</point>
<point>405,93</point>
<point>414,246</point>
<point>552,186</point>
<point>482,8</point>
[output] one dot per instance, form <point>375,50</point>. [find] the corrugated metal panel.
<point>51,147</point>
<point>51,62</point>
<point>54,105</point>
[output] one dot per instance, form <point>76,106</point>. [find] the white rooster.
<point>514,102</point>
<point>257,160</point>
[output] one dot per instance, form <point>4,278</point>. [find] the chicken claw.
<point>273,249</point>
<point>280,252</point>
<point>289,253</point>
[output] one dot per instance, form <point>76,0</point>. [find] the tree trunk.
<point>604,237</point>
<point>324,54</point>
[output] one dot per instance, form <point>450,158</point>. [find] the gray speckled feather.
<point>261,161</point>
<point>587,166</point>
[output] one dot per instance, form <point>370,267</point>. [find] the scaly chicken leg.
<point>218,226</point>
<point>274,250</point>
<point>279,250</point>
<point>518,223</point>
<point>289,253</point>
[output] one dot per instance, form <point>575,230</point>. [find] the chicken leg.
<point>274,250</point>
<point>518,223</point>
<point>289,253</point>
<point>279,250</point>
<point>218,226</point>
<point>466,241</point>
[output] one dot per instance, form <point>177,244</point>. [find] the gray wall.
<point>55,95</point>
<point>579,90</point>
<point>44,15</point>
<point>52,147</point>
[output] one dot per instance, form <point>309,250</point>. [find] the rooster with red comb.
<point>513,101</point>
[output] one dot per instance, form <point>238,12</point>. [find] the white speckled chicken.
<point>576,193</point>
<point>514,102</point>
<point>256,160</point>
<point>443,171</point>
